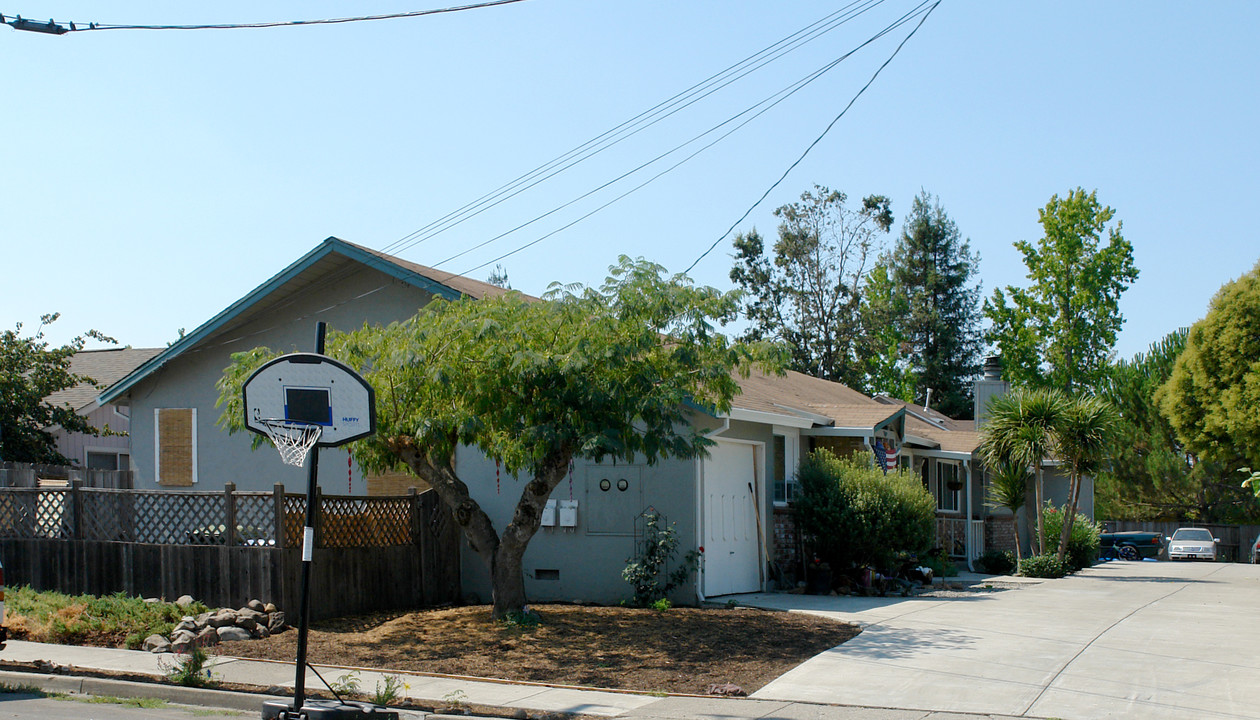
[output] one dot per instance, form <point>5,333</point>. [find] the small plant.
<point>526,619</point>
<point>456,698</point>
<point>732,604</point>
<point>1083,543</point>
<point>348,684</point>
<point>940,563</point>
<point>389,689</point>
<point>1042,566</point>
<point>997,562</point>
<point>662,605</point>
<point>189,669</point>
<point>648,573</point>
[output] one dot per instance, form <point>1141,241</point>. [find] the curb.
<point>81,685</point>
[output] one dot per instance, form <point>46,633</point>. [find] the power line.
<point>776,98</point>
<point>636,124</point>
<point>816,140</point>
<point>54,28</point>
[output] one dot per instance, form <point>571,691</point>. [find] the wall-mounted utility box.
<point>549,514</point>
<point>568,513</point>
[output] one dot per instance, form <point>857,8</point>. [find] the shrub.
<point>648,573</point>
<point>852,514</point>
<point>1083,544</point>
<point>111,620</point>
<point>997,562</point>
<point>940,562</point>
<point>1042,566</point>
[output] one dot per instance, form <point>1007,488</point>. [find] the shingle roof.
<point>964,441</point>
<point>105,366</point>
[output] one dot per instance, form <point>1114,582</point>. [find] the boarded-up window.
<point>176,446</point>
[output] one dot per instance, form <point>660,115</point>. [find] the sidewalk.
<point>510,698</point>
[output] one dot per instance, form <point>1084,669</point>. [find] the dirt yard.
<point>680,650</point>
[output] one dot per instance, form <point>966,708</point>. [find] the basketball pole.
<point>308,555</point>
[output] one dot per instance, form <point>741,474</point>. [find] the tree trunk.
<point>1015,527</point>
<point>1069,517</point>
<point>1030,519</point>
<point>1041,525</point>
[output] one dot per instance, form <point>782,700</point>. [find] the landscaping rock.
<point>277,624</point>
<point>203,619</point>
<point>187,623</point>
<point>229,633</point>
<point>248,618</point>
<point>206,637</point>
<point>156,643</point>
<point>256,606</point>
<point>270,608</point>
<point>726,690</point>
<point>261,632</point>
<point>222,618</point>
<point>185,600</point>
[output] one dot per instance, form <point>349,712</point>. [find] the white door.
<point>731,546</point>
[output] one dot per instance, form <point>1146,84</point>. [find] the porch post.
<point>967,528</point>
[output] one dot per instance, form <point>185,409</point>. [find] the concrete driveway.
<point>1119,640</point>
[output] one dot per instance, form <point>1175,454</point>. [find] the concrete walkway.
<point>1125,640</point>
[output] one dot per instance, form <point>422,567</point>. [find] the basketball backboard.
<point>314,389</point>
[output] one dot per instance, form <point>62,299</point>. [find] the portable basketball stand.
<point>296,401</point>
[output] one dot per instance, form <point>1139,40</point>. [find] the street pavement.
<point>1147,640</point>
<point>1120,640</point>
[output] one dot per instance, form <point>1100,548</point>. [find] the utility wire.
<point>768,103</point>
<point>636,124</point>
<point>85,27</point>
<point>781,96</point>
<point>816,140</point>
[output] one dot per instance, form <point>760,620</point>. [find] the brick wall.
<point>998,534</point>
<point>787,545</point>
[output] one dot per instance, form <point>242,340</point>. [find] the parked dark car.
<point>1255,550</point>
<point>1130,545</point>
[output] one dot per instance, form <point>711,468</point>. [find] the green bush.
<point>997,562</point>
<point>1042,566</point>
<point>852,514</point>
<point>649,573</point>
<point>110,620</point>
<point>1082,549</point>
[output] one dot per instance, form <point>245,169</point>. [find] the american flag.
<point>886,454</point>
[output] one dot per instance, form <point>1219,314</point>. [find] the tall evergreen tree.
<point>934,308</point>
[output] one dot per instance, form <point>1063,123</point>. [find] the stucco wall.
<point>585,563</point>
<point>188,381</point>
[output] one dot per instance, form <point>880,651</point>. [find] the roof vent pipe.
<point>927,404</point>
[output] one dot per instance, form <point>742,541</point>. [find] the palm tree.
<point>1021,428</point>
<point>1082,436</point>
<point>1008,489</point>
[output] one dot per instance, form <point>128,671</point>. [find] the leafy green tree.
<point>31,369</point>
<point>932,307</point>
<point>1212,398</point>
<point>1021,429</point>
<point>1149,473</point>
<point>808,293</point>
<point>586,373</point>
<point>1059,331</point>
<point>885,349</point>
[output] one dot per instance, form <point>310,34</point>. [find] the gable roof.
<point>105,366</point>
<point>328,260</point>
<point>812,401</point>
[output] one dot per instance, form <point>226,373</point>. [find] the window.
<point>175,446</point>
<point>947,486</point>
<point>107,460</point>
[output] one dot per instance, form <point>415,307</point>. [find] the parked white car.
<point>1192,544</point>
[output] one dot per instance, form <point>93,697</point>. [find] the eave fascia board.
<point>327,247</point>
<point>815,417</point>
<point>929,442</point>
<point>768,418</point>
<point>941,454</point>
<point>839,432</point>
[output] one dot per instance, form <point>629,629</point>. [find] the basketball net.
<point>293,439</point>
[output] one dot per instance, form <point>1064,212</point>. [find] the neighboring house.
<point>111,450</point>
<point>733,504</point>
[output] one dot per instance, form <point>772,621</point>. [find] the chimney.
<point>989,386</point>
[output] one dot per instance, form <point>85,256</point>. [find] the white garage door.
<point>731,546</point>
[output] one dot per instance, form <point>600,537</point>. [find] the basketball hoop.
<point>293,439</point>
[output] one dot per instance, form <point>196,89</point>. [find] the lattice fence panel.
<point>108,515</point>
<point>294,519</point>
<point>30,513</point>
<point>180,518</point>
<point>255,519</point>
<point>365,522</point>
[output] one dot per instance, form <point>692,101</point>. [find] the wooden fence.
<point>27,475</point>
<point>225,548</point>
<point>1236,540</point>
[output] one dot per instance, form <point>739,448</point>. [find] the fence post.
<point>277,495</point>
<point>229,506</point>
<point>414,502</point>
<point>76,509</point>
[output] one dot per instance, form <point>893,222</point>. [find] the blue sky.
<point>151,178</point>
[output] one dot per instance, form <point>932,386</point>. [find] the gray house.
<point>111,450</point>
<point>733,506</point>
